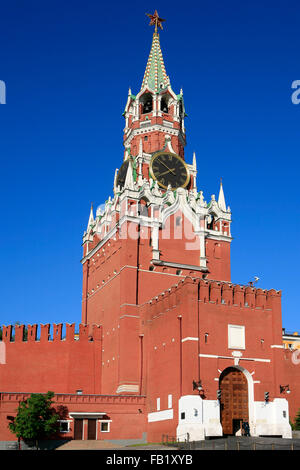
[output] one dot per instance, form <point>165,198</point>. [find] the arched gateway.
<point>234,400</point>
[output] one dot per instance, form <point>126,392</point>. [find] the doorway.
<point>234,400</point>
<point>78,429</point>
<point>92,427</point>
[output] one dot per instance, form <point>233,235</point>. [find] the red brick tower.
<point>155,230</point>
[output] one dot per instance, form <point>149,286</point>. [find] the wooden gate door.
<point>234,399</point>
<point>92,429</point>
<point>78,429</point>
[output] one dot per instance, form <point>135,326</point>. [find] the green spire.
<point>155,76</point>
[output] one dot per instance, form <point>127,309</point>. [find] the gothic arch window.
<point>147,103</point>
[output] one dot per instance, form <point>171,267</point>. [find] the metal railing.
<point>175,440</point>
<point>183,442</point>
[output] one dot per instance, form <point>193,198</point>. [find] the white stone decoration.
<point>236,337</point>
<point>198,418</point>
<point>162,204</point>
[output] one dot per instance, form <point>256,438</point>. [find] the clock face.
<point>122,174</point>
<point>169,169</point>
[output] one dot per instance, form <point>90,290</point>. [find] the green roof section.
<point>155,77</point>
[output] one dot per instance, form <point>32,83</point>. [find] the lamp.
<point>284,388</point>
<point>197,386</point>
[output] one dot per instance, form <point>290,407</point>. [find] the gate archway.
<point>234,406</point>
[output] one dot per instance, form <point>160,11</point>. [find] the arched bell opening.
<point>164,104</point>
<point>146,103</point>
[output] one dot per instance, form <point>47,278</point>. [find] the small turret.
<point>221,199</point>
<point>129,183</point>
<point>91,218</point>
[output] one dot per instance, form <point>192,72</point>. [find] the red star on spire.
<point>155,20</point>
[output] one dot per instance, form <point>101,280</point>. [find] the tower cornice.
<point>146,129</point>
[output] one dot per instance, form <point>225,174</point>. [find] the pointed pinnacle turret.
<point>155,77</point>
<point>194,161</point>
<point>221,199</point>
<point>91,217</point>
<point>129,183</point>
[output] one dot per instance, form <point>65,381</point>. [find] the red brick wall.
<point>126,413</point>
<point>62,366</point>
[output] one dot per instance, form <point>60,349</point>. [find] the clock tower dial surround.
<point>169,170</point>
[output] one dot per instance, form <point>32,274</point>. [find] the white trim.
<point>160,416</point>
<point>128,388</point>
<point>102,242</point>
<point>221,237</point>
<point>127,305</point>
<point>189,338</point>
<point>156,127</point>
<point>108,421</point>
<point>130,316</point>
<point>164,274</point>
<point>64,421</point>
<point>213,356</point>
<point>190,267</point>
<point>83,415</point>
<point>279,346</point>
<point>108,281</point>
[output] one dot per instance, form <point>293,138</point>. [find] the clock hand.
<point>165,172</point>
<point>166,166</point>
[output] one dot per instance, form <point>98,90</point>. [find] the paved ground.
<point>105,445</point>
<point>230,443</point>
<point>88,445</point>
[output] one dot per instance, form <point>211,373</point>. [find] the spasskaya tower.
<point>157,228</point>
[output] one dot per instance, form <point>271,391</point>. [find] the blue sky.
<point>67,68</point>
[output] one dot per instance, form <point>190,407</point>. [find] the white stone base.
<point>190,432</point>
<point>282,430</point>
<point>201,418</point>
<point>271,419</point>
